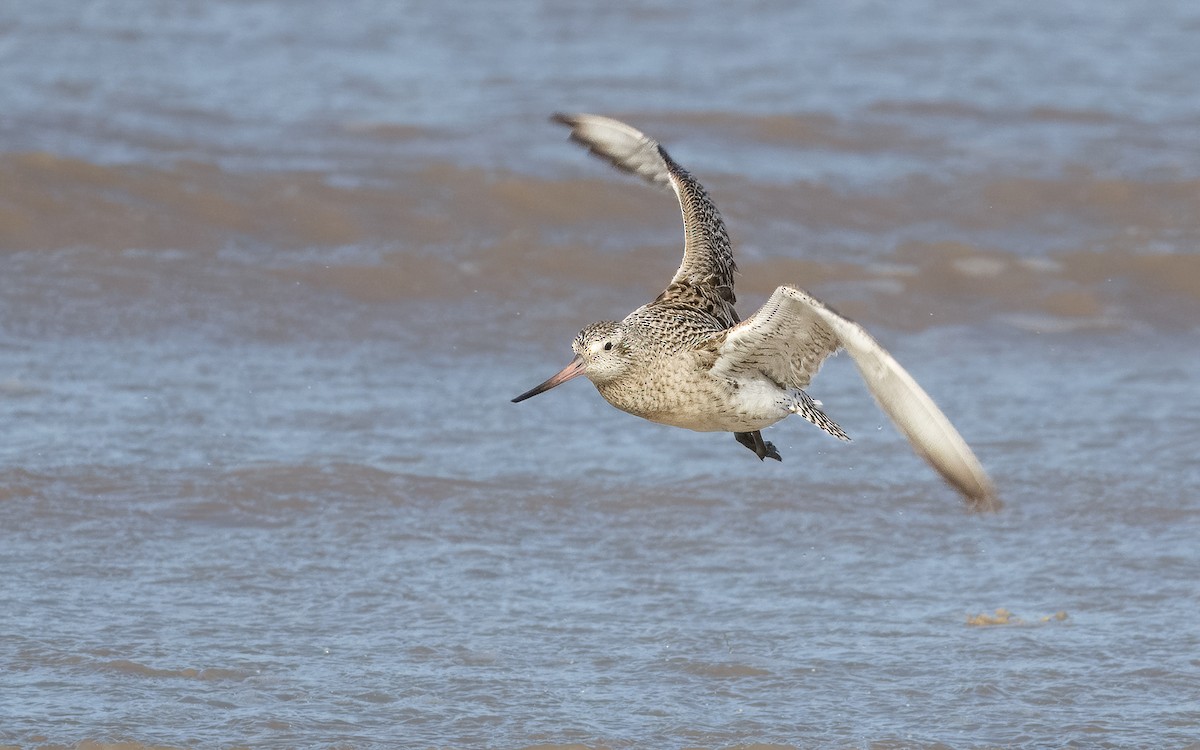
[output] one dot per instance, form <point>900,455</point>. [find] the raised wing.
<point>791,336</point>
<point>705,277</point>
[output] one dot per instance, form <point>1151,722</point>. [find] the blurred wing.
<point>705,277</point>
<point>791,336</point>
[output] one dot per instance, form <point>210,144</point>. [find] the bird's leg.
<point>754,441</point>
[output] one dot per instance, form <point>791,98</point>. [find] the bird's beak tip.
<point>574,369</point>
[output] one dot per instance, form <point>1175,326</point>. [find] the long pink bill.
<point>573,370</point>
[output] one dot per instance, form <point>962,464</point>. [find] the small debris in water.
<point>1005,617</point>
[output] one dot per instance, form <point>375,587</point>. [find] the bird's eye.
<point>607,345</point>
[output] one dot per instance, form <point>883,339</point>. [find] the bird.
<point>686,359</point>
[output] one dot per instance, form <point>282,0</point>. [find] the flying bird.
<point>687,360</point>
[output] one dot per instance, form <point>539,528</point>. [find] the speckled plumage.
<point>687,360</point>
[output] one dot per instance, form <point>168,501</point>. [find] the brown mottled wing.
<point>705,277</point>
<point>793,333</point>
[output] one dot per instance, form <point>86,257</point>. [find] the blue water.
<point>270,274</point>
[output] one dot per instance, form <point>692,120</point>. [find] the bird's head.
<point>600,354</point>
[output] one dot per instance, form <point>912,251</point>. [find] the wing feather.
<point>707,252</point>
<point>798,332</point>
<point>785,340</point>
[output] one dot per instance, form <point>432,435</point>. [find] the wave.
<point>205,674</point>
<point>967,110</point>
<point>1077,250</point>
<point>53,202</point>
<point>917,286</point>
<point>807,130</point>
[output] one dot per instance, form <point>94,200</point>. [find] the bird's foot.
<point>762,448</point>
<point>769,452</point>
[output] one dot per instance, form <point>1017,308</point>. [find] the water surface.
<point>269,277</point>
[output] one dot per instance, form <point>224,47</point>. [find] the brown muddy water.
<point>270,274</point>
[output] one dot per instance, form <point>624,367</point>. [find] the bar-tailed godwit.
<point>687,360</point>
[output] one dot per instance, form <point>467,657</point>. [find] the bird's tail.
<point>804,405</point>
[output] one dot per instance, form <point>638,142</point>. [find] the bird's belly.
<point>716,422</point>
<point>715,407</point>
